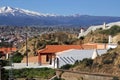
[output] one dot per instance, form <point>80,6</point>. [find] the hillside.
<point>55,38</point>
<point>95,27</point>
<point>101,36</point>
<point>62,38</point>
<point>108,63</point>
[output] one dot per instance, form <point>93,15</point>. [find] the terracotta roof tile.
<point>58,48</point>
<point>7,50</point>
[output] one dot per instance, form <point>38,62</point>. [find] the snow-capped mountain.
<point>5,11</point>
<point>22,17</point>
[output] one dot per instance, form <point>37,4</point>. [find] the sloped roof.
<point>58,48</point>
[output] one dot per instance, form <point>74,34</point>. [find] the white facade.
<point>109,39</point>
<point>95,54</point>
<point>70,56</point>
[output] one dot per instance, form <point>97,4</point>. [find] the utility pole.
<point>26,50</point>
<point>10,62</point>
<point>11,69</point>
<point>0,72</point>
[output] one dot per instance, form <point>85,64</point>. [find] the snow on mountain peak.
<point>20,12</point>
<point>6,9</point>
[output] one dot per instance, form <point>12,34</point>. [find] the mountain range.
<point>21,17</point>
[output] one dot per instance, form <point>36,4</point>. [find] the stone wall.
<point>69,75</point>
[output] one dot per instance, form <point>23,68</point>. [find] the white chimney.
<point>109,39</point>
<point>104,25</point>
<point>95,54</point>
<point>81,30</point>
<point>7,55</point>
<point>81,33</point>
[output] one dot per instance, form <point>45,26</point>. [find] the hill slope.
<point>55,38</point>
<point>108,63</point>
<point>101,36</point>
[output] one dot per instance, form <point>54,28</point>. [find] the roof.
<point>82,53</point>
<point>58,48</point>
<point>7,50</point>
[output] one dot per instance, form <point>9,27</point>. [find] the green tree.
<point>17,57</point>
<point>67,66</point>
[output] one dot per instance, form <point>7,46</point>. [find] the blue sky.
<point>68,7</point>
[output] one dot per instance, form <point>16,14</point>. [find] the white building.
<point>70,56</point>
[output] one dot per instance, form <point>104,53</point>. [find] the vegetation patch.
<point>115,78</point>
<point>41,73</point>
<point>67,66</point>
<point>17,57</point>
<point>58,78</point>
<point>112,31</point>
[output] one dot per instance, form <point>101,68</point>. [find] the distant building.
<point>7,51</point>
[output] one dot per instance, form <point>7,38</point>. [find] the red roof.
<point>58,48</point>
<point>7,50</point>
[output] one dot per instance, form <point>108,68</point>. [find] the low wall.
<point>70,75</point>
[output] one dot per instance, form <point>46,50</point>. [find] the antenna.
<point>26,50</point>
<point>0,72</point>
